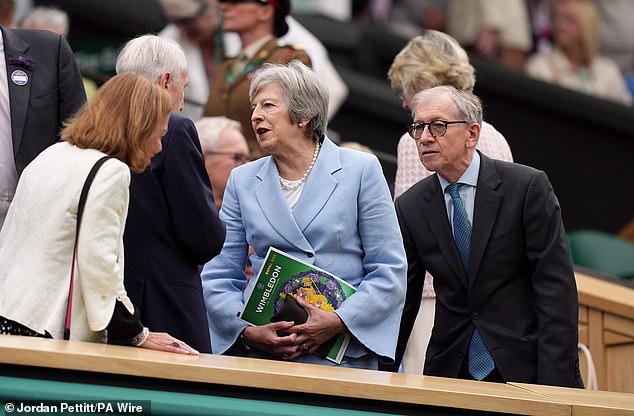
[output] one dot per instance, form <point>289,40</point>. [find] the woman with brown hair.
<point>125,120</point>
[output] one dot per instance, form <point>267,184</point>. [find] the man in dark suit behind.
<point>41,89</point>
<point>172,225</point>
<point>491,233</point>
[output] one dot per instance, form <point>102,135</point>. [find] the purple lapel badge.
<point>18,76</point>
<point>22,61</point>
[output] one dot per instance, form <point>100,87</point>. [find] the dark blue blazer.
<point>45,89</point>
<point>172,228</point>
<point>520,290</point>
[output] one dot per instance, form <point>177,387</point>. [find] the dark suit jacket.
<point>53,93</point>
<point>520,291</point>
<point>172,228</point>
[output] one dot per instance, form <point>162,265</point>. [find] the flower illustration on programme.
<point>314,287</point>
<point>23,61</point>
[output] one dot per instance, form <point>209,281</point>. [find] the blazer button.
<point>475,317</point>
<point>310,255</point>
<point>460,354</point>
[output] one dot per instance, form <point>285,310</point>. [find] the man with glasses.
<point>431,59</point>
<point>491,234</point>
<point>258,23</point>
<point>224,148</point>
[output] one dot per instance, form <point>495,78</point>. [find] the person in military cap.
<point>258,23</point>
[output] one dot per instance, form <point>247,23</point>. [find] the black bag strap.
<point>80,212</point>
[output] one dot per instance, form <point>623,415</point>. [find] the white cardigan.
<point>36,244</point>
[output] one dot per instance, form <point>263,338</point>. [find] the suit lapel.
<point>487,202</point>
<point>319,186</point>
<point>270,199</point>
<point>18,94</point>
<point>441,229</point>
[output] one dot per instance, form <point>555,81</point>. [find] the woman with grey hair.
<point>326,205</point>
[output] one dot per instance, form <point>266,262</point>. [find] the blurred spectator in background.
<point>406,18</point>
<point>356,146</point>
<point>493,29</point>
<point>172,226</point>
<point>21,9</point>
<point>337,9</point>
<point>195,26</point>
<point>427,61</point>
<point>541,24</point>
<point>7,10</point>
<point>56,21</point>
<point>420,14</point>
<point>46,18</point>
<point>259,23</point>
<point>298,35</point>
<point>224,148</point>
<point>617,35</point>
<point>574,61</point>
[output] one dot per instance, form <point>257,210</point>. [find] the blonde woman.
<point>125,120</point>
<point>574,61</point>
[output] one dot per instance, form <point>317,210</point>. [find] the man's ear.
<point>165,79</point>
<point>474,134</point>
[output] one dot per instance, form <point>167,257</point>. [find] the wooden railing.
<point>606,326</point>
<point>98,365</point>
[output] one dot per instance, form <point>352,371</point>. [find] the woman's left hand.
<point>163,341</point>
<point>319,328</point>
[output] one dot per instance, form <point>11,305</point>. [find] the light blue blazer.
<point>344,222</point>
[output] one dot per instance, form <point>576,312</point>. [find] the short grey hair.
<point>48,18</point>
<point>209,129</point>
<point>468,105</point>
<point>305,95</point>
<point>152,56</point>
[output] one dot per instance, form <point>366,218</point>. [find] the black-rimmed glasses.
<point>240,158</point>
<point>437,128</point>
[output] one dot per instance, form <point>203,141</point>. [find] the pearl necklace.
<point>294,185</point>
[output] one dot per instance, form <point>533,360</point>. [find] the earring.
<point>300,125</point>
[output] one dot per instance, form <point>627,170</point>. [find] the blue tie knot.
<point>453,189</point>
